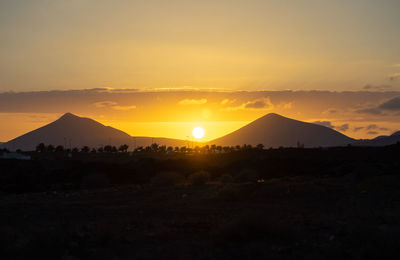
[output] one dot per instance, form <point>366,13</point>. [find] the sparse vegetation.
<point>167,179</point>
<point>312,203</point>
<point>199,178</point>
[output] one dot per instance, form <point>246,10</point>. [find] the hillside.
<point>74,131</point>
<point>273,130</point>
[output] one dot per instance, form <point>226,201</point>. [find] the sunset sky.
<point>159,68</point>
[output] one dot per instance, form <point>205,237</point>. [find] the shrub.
<point>230,192</point>
<point>167,179</point>
<point>226,178</point>
<point>199,178</point>
<point>257,226</point>
<point>247,175</point>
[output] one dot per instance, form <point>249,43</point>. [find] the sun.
<point>198,132</point>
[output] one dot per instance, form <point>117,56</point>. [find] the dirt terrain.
<point>344,212</point>
<point>284,218</point>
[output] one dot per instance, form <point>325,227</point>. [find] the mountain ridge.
<point>73,131</point>
<point>273,130</point>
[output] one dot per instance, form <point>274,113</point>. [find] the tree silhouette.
<point>139,149</point>
<point>213,148</point>
<point>41,148</point>
<point>154,147</point>
<point>108,148</point>
<point>50,148</point>
<point>226,149</point>
<point>85,149</point>
<point>162,149</point>
<point>59,149</point>
<point>123,148</point>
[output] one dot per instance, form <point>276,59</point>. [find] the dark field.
<point>339,203</point>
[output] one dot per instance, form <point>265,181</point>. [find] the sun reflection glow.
<point>198,132</point>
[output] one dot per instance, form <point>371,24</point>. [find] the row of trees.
<point>42,148</point>
<point>153,148</point>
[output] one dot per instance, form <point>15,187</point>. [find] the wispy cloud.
<point>102,104</point>
<point>227,101</point>
<point>358,128</point>
<point>324,123</point>
<point>329,124</point>
<point>371,111</point>
<point>342,128</point>
<point>186,102</point>
<point>394,76</point>
<point>391,104</point>
<point>377,88</point>
<point>113,105</point>
<point>260,103</point>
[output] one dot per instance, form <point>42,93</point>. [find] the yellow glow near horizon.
<point>198,132</point>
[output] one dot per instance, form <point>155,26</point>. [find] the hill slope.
<point>73,131</point>
<point>382,140</point>
<point>273,130</point>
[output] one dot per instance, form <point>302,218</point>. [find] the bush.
<point>226,178</point>
<point>257,226</point>
<point>199,178</point>
<point>167,179</point>
<point>230,192</point>
<point>247,175</point>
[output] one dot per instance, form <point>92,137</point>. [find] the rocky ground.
<point>325,217</point>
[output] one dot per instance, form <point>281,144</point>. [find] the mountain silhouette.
<point>74,131</point>
<point>273,130</point>
<point>382,140</point>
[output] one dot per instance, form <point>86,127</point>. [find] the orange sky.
<point>218,44</point>
<point>159,68</point>
<point>360,114</point>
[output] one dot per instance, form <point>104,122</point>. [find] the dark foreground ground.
<point>340,208</point>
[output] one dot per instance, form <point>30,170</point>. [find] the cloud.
<point>324,123</point>
<point>227,101</point>
<point>330,111</point>
<point>186,102</point>
<point>371,111</point>
<point>102,104</point>
<point>329,124</point>
<point>391,104</point>
<point>376,127</point>
<point>113,105</point>
<point>286,105</point>
<point>343,127</point>
<point>394,76</point>
<point>372,132</point>
<point>257,104</point>
<point>356,129</point>
<point>123,108</point>
<point>377,88</point>
<point>372,127</point>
